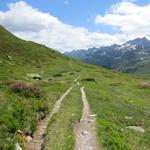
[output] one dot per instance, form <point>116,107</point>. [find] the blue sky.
<point>80,13</point>
<point>75,12</point>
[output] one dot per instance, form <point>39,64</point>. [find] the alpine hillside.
<point>52,102</point>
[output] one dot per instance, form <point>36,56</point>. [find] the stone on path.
<point>136,128</point>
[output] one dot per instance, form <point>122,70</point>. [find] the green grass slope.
<point>20,107</point>
<point>16,53</point>
<point>24,101</point>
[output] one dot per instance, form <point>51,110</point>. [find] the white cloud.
<point>31,24</point>
<point>132,20</point>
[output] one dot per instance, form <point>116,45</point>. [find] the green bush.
<point>57,75</point>
<point>89,79</point>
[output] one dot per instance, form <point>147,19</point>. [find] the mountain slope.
<point>14,51</point>
<point>25,101</point>
<point>131,57</point>
<point>119,100</point>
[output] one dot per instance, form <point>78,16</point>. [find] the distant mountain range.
<point>130,57</point>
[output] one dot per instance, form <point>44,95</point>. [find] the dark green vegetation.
<point>24,101</point>
<point>131,57</point>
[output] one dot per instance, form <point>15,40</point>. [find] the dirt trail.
<point>85,130</point>
<point>38,138</point>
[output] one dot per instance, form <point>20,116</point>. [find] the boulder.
<point>34,76</point>
<point>41,115</point>
<point>27,132</point>
<point>9,57</point>
<point>127,117</point>
<point>18,147</point>
<point>19,132</point>
<point>28,138</point>
<point>136,128</point>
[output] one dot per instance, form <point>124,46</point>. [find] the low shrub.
<point>109,76</point>
<point>89,79</point>
<point>72,73</point>
<point>144,85</point>
<point>115,84</point>
<point>57,75</point>
<point>23,88</point>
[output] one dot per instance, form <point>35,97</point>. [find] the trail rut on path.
<point>38,138</point>
<point>85,132</point>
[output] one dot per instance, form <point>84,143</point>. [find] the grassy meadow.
<point>119,100</point>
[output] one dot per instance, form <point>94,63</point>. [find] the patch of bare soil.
<point>85,131</point>
<point>38,138</point>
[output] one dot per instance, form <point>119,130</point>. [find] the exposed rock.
<point>81,119</point>
<point>136,128</point>
<point>41,116</point>
<point>34,76</point>
<point>18,147</point>
<point>27,132</point>
<point>9,57</point>
<point>77,79</point>
<point>84,133</point>
<point>28,138</point>
<point>19,132</point>
<point>127,117</point>
<point>93,115</point>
